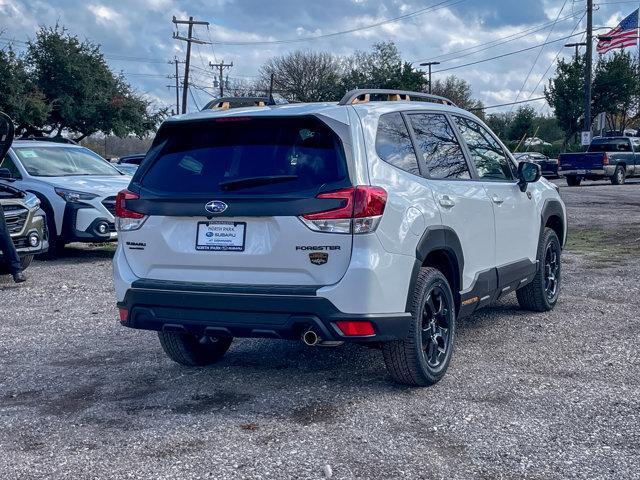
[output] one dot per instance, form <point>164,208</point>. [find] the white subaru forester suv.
<point>381,219</point>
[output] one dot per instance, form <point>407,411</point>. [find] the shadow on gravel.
<point>79,253</point>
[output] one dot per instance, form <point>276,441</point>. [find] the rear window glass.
<point>610,145</point>
<point>393,143</point>
<point>254,155</point>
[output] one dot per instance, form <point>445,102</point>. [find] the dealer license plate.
<point>221,236</point>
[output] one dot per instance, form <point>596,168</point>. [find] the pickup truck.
<point>616,158</point>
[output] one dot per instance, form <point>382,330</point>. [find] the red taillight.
<point>356,329</point>
<point>121,209</point>
<point>124,314</point>
<point>605,159</point>
<point>360,202</point>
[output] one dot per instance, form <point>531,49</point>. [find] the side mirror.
<point>528,172</point>
<point>6,134</point>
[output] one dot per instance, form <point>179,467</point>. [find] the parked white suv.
<point>365,221</point>
<point>77,189</point>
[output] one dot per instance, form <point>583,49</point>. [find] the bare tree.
<point>304,76</point>
<point>459,92</point>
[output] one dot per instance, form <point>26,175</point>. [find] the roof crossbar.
<point>363,95</point>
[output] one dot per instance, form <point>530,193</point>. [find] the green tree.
<point>615,89</point>
<point>523,123</point>
<point>382,67</point>
<point>565,95</point>
<point>19,96</point>
<point>85,95</point>
<point>500,123</point>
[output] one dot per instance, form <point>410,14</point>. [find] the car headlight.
<point>72,196</point>
<point>31,201</point>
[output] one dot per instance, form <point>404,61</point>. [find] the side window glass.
<point>442,152</point>
<point>488,156</point>
<point>393,143</point>
<point>11,166</point>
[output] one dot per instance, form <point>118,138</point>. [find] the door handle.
<point>497,200</point>
<point>447,202</point>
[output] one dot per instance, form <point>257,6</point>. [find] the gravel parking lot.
<point>527,396</point>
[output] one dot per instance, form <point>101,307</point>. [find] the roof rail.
<point>363,95</point>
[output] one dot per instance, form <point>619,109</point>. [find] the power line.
<point>189,39</point>
<point>508,104</point>
<point>422,11</point>
<point>193,98</point>
<point>497,42</point>
<point>555,59</point>
<point>506,54</point>
<point>524,84</point>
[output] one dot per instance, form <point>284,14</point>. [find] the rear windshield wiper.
<point>249,182</point>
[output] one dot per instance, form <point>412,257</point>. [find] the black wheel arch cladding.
<point>553,217</point>
<point>440,239</point>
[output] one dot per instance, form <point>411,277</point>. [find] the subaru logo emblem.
<point>215,206</point>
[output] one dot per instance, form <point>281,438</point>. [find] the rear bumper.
<point>247,311</point>
<point>607,171</point>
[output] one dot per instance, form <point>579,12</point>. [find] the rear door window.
<point>440,148</point>
<point>393,143</point>
<point>254,155</point>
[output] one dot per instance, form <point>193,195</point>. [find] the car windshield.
<point>63,162</point>
<point>610,145</point>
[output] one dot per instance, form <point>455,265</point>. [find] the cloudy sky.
<point>136,35</point>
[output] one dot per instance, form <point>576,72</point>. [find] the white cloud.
<point>104,14</point>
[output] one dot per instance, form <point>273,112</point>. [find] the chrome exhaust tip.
<point>310,338</point>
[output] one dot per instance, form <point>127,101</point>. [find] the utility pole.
<point>221,66</point>
<point>189,39</point>
<point>577,46</point>
<point>429,64</point>
<point>588,72</point>
<point>176,76</point>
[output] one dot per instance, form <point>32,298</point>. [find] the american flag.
<point>624,35</point>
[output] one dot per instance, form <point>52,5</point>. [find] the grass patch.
<point>604,247</point>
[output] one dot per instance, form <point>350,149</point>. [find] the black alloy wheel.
<point>551,271</point>
<point>436,327</point>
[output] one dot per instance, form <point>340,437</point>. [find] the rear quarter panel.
<point>411,206</point>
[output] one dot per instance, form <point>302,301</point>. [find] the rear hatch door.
<point>223,197</point>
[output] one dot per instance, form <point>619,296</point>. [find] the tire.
<point>573,181</point>
<point>420,360</point>
<point>26,261</point>
<point>193,351</point>
<point>541,295</point>
<point>56,244</point>
<point>619,176</point>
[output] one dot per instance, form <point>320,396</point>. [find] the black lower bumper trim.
<point>70,233</point>
<point>229,313</point>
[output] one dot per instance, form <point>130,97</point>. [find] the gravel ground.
<point>527,396</point>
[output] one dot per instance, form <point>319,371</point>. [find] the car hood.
<point>96,184</point>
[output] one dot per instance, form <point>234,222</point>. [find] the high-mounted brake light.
<point>360,212</point>
<point>232,119</point>
<point>127,219</point>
